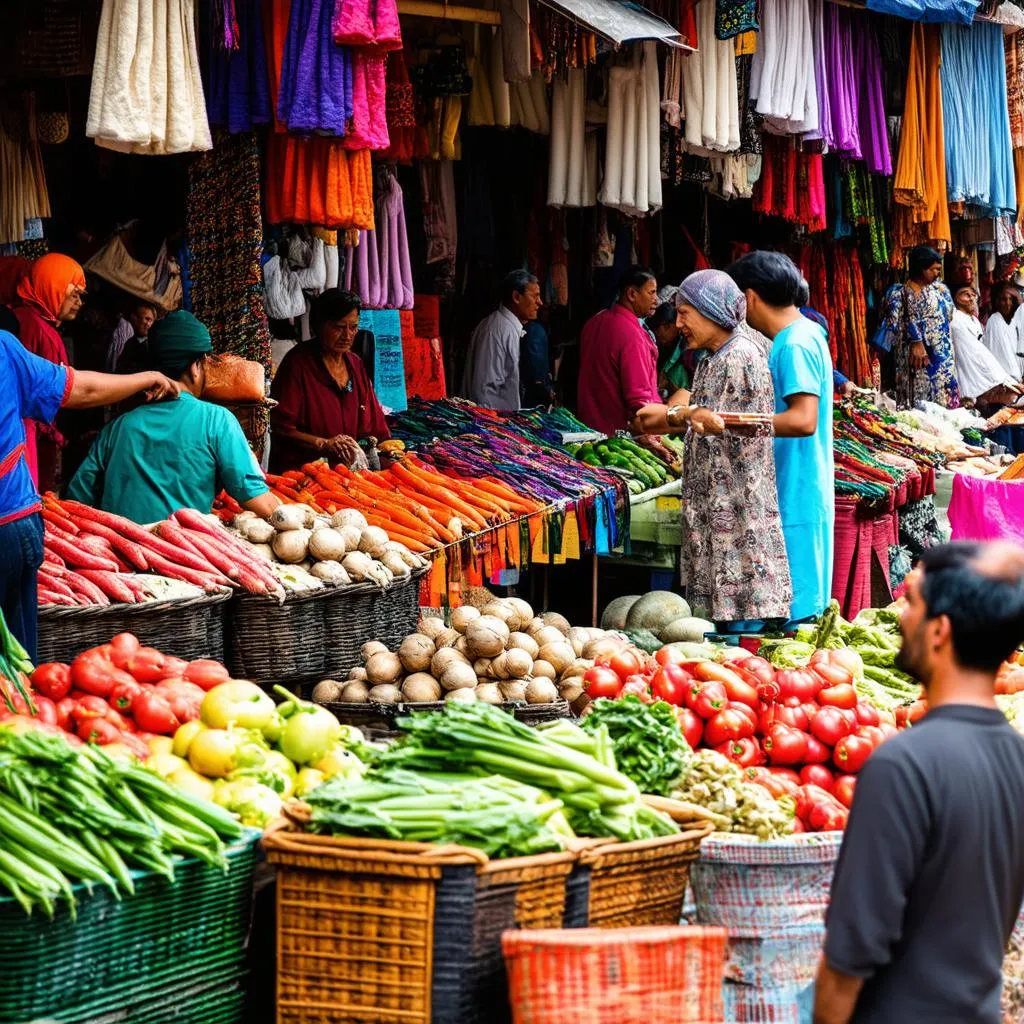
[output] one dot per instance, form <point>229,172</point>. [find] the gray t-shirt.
<point>930,877</point>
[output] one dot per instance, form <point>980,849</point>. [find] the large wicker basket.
<point>380,932</point>
<point>189,628</point>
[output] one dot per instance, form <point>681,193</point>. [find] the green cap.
<point>176,341</point>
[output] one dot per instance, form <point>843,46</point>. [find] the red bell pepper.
<point>842,695</point>
<point>691,724</point>
<point>52,679</point>
<point>830,726</point>
<point>798,682</point>
<point>817,775</point>
<point>843,789</point>
<point>725,726</point>
<point>98,730</point>
<point>867,714</point>
<point>817,752</point>
<point>670,685</point>
<point>124,695</point>
<point>152,713</point>
<point>851,752</point>
<point>785,745</point>
<point>746,752</point>
<point>707,698</point>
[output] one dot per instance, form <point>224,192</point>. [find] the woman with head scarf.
<point>915,327</point>
<point>49,293</point>
<point>733,556</point>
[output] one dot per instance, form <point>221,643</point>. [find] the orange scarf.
<point>45,284</point>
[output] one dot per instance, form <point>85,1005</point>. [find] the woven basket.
<point>642,883</point>
<point>666,975</point>
<point>188,628</point>
<point>380,932</point>
<point>174,951</point>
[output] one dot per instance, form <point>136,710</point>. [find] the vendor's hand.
<point>704,421</point>
<point>161,387</point>
<point>343,447</point>
<point>918,356</point>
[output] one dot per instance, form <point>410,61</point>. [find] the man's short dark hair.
<point>144,304</point>
<point>331,305</point>
<point>515,283</point>
<point>985,609</point>
<point>635,277</point>
<point>664,315</point>
<point>773,276</point>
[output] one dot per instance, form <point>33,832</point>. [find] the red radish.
<point>111,585</point>
<point>76,555</point>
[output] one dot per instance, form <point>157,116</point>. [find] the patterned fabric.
<point>734,17</point>
<point>921,315</point>
<point>1014,55</point>
<point>733,557</point>
<point>714,294</point>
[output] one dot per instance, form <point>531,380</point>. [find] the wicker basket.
<point>174,951</point>
<point>191,627</point>
<point>666,975</point>
<point>381,932</point>
<point>639,883</point>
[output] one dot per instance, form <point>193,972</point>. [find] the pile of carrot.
<point>412,502</point>
<point>90,556</point>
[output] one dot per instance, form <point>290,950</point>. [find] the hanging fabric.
<point>572,168</point>
<point>734,17</point>
<point>237,90</point>
<point>23,194</point>
<point>782,78</point>
<point>369,127</point>
<point>147,92</point>
<point>370,23</point>
<point>934,11</point>
<point>710,93</point>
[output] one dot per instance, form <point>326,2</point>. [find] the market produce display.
<point>646,462</point>
<point>658,617</point>
<point>497,654</point>
<point>71,815</point>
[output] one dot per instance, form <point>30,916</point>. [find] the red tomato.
<point>760,668</point>
<point>601,682</point>
<point>873,734</point>
<point>153,713</point>
<point>745,709</point>
<point>900,716</point>
<point>52,679</point>
<point>727,725</point>
<point>98,730</point>
<point>122,647</point>
<point>867,714</point>
<point>625,662</point>
<point>691,724</point>
<point>785,745</point>
<point>842,695</point>
<point>825,665</point>
<point>634,686</point>
<point>785,773</point>
<point>830,726</point>
<point>917,711</point>
<point>851,752</point>
<point>707,699</point>
<point>808,795</point>
<point>94,674</point>
<point>117,719</point>
<point>817,752</point>
<point>816,775</point>
<point>798,682</point>
<point>206,673</point>
<point>827,817</point>
<point>670,684</point>
<point>792,715</point>
<point>89,706</point>
<point>65,707</point>
<point>174,667</point>
<point>135,745</point>
<point>776,786</point>
<point>746,752</point>
<point>843,787</point>
<point>123,695</point>
<point>148,665</point>
<point>46,710</point>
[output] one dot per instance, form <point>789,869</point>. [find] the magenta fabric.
<point>618,369</point>
<point>861,555</point>
<point>986,509</point>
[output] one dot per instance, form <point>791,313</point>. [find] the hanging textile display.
<point>317,181</point>
<point>369,128</point>
<point>572,170</point>
<point>315,93</point>
<point>979,159</point>
<point>23,194</point>
<point>237,89</point>
<point>632,164</point>
<point>710,91</point>
<point>782,77</point>
<point>225,244</point>
<point>792,184</point>
<point>920,211</point>
<point>734,17</point>
<point>400,108</point>
<point>148,97</point>
<point>369,23</point>
<point>1013,57</point>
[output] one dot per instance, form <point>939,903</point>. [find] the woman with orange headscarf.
<point>49,293</point>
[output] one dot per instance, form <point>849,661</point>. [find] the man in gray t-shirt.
<point>930,878</point>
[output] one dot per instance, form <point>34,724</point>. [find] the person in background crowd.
<point>618,358</point>
<point>127,350</point>
<point>673,374</point>
<point>914,326</point>
<point>326,403</point>
<point>535,384</point>
<point>32,388</point>
<point>49,292</point>
<point>981,376</point>
<point>930,877</point>
<point>1004,332</point>
<point>801,369</point>
<point>491,377</point>
<point>151,461</point>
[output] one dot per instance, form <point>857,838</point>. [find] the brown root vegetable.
<point>463,693</point>
<point>561,656</point>
<point>560,622</point>
<point>513,690</point>
<point>579,638</point>
<point>482,667</point>
<point>357,673</point>
<point>415,652</point>
<point>604,646</point>
<point>486,637</point>
<point>356,692</point>
<point>446,638</point>
<point>420,688</point>
<point>501,610</point>
<point>524,642</point>
<point>458,676</point>
<point>327,691</point>
<point>385,693</point>
<point>524,611</point>
<point>570,689</point>
<point>499,667</point>
<point>534,625</point>
<point>545,669</point>
<point>445,657</point>
<point>518,664</point>
<point>370,648</point>
<point>548,635</point>
<point>383,667</point>
<point>463,616</point>
<point>489,693</point>
<point>430,626</point>
<point>462,646</point>
<point>541,691</point>
<point>577,669</point>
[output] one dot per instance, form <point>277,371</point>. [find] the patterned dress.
<point>923,315</point>
<point>733,556</point>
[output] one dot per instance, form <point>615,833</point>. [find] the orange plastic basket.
<point>668,975</point>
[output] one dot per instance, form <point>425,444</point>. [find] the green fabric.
<point>161,457</point>
<point>176,341</point>
<point>677,374</point>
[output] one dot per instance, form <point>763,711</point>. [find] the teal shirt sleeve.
<point>237,470</point>
<point>798,371</point>
<point>87,484</point>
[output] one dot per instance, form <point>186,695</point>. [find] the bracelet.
<point>670,415</point>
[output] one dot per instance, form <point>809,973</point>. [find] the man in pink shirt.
<point>619,358</point>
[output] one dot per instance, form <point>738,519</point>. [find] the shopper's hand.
<point>343,447</point>
<point>918,356</point>
<point>704,421</point>
<point>161,387</point>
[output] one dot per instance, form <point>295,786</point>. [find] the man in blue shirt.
<point>34,388</point>
<point>801,368</point>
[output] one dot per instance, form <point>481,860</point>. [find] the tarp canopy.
<point>620,22</point>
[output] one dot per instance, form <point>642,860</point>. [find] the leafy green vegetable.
<point>648,743</point>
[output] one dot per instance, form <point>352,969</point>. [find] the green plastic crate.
<point>172,952</point>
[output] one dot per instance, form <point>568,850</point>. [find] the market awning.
<point>618,21</point>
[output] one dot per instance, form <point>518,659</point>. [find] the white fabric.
<point>147,94</point>
<point>710,98</point>
<point>333,266</point>
<point>1006,341</point>
<point>977,370</point>
<point>782,74</point>
<point>572,165</point>
<point>672,91</point>
<point>735,174</point>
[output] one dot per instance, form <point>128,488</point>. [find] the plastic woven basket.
<point>191,627</point>
<point>639,883</point>
<point>381,932</point>
<point>143,952</point>
<point>668,975</point>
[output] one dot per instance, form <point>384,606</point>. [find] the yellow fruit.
<point>165,765</point>
<point>184,736</point>
<point>161,745</point>
<point>212,753</point>
<point>188,781</point>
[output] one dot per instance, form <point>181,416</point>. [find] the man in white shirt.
<point>491,378</point>
<point>1004,332</point>
<point>981,376</point>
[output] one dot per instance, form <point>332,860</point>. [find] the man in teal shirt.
<point>801,368</point>
<point>161,457</point>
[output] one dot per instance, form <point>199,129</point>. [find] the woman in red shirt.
<point>325,400</point>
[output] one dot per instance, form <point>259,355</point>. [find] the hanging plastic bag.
<point>934,11</point>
